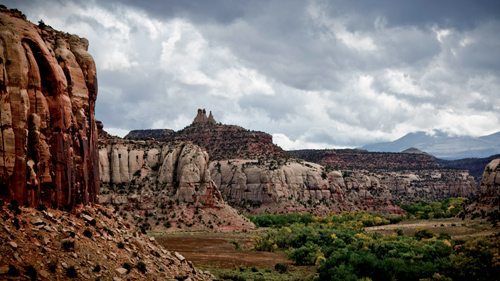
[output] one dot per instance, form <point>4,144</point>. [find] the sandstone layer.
<point>409,177</point>
<point>163,184</point>
<point>295,186</point>
<point>490,185</point>
<point>48,135</point>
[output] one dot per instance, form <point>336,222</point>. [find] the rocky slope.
<point>268,187</point>
<point>48,136</point>
<point>159,185</point>
<point>227,141</point>
<point>148,134</point>
<point>408,176</point>
<point>348,159</point>
<point>87,244</point>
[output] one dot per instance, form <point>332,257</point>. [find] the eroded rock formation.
<point>298,186</point>
<point>409,177</point>
<point>48,135</point>
<point>169,181</point>
<point>490,185</point>
<point>202,119</point>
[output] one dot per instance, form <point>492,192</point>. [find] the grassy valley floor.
<point>229,255</point>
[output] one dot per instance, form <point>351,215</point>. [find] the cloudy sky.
<point>314,74</point>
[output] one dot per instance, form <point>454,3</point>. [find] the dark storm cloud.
<point>312,73</point>
<point>461,14</point>
<point>222,11</point>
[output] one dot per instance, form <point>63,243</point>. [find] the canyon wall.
<point>163,181</point>
<point>410,177</point>
<point>295,186</point>
<point>490,185</point>
<point>48,136</point>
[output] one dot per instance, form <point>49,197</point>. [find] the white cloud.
<point>311,76</point>
<point>402,83</point>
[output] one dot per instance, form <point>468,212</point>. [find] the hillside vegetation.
<point>340,249</point>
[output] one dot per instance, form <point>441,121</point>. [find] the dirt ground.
<point>457,228</point>
<point>217,249</point>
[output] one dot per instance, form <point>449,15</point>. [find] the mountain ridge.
<point>440,145</point>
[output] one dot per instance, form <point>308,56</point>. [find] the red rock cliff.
<point>48,135</point>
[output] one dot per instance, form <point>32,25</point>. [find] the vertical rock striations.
<point>490,185</point>
<point>163,181</point>
<point>48,135</point>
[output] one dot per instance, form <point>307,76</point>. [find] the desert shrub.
<point>120,245</point>
<point>13,271</point>
<point>31,272</point>
<point>14,206</point>
<point>444,236</point>
<point>52,265</point>
<point>127,266</point>
<point>67,245</point>
<point>71,272</point>
<point>42,207</point>
<point>235,244</point>
<point>141,266</point>
<point>156,167</point>
<point>87,233</point>
<point>232,276</point>
<point>281,267</point>
<point>15,223</point>
<point>97,268</point>
<point>423,233</point>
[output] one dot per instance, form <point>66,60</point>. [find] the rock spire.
<point>202,119</point>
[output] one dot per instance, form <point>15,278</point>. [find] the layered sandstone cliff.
<point>488,203</point>
<point>48,136</point>
<point>409,177</point>
<point>163,181</point>
<point>295,186</point>
<point>490,185</point>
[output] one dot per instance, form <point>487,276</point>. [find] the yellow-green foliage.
<point>450,207</point>
<point>340,249</point>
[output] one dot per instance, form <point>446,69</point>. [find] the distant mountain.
<point>443,146</point>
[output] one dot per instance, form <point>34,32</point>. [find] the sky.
<point>313,74</point>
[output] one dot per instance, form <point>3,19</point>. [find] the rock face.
<point>48,135</point>
<point>295,186</point>
<point>489,194</point>
<point>162,179</point>
<point>408,176</point>
<point>490,185</point>
<point>202,119</point>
